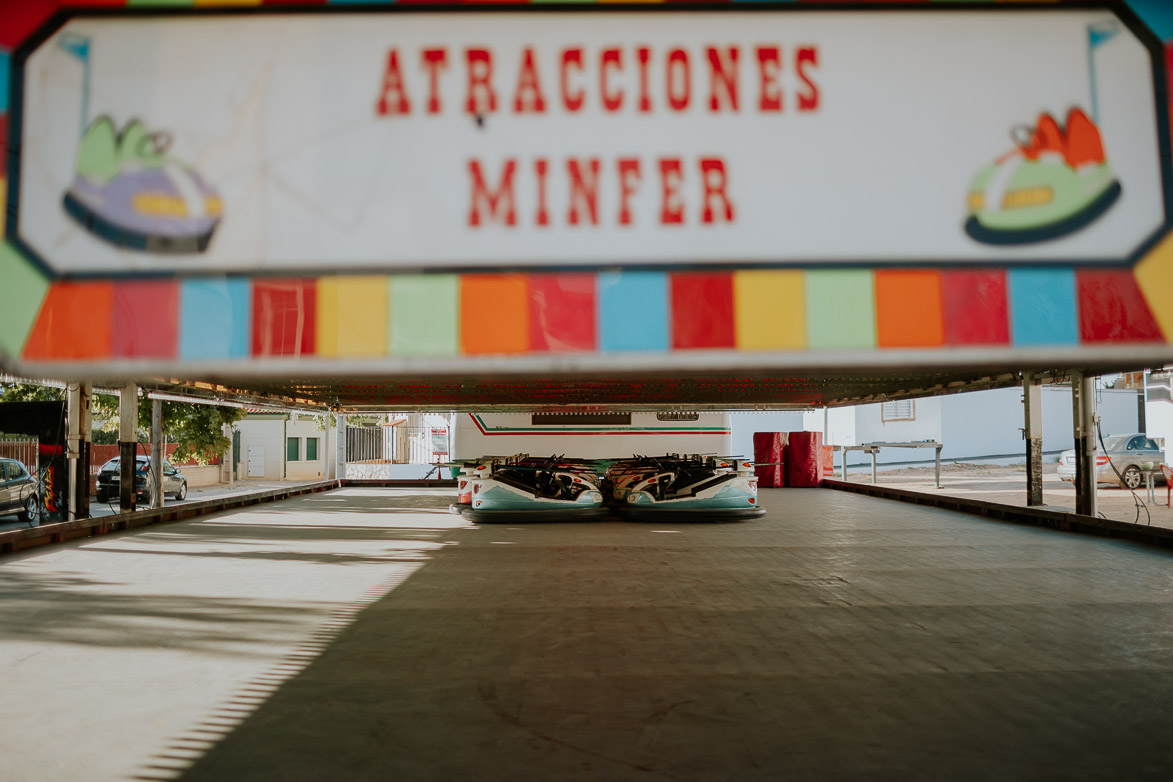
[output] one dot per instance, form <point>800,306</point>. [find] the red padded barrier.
<point>769,457</point>
<point>804,452</point>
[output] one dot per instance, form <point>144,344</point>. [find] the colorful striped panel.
<point>702,310</point>
<point>146,319</point>
<point>284,317</point>
<point>563,312</point>
<point>215,318</point>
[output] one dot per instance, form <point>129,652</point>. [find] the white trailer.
<point>591,435</point>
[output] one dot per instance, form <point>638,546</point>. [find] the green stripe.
<point>21,297</point>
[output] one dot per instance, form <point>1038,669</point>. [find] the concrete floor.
<point>365,634</point>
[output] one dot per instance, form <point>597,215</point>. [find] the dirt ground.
<point>1007,484</point>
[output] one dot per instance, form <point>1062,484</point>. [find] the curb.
<point>1037,517</point>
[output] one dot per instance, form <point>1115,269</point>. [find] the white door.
<point>256,461</point>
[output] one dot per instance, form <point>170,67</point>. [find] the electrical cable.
<point>1135,497</point>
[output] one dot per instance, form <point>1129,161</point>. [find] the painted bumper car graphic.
<point>130,193</point>
<point>524,488</point>
<point>1056,181</point>
<point>698,488</point>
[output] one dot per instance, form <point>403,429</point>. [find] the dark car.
<point>110,476</point>
<point>18,492</point>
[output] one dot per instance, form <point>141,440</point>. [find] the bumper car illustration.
<point>128,192</point>
<point>1055,182</point>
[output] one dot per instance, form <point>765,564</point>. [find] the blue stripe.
<point>214,318</point>
<point>633,311</point>
<point>1042,307</point>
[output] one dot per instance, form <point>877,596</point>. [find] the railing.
<point>395,444</point>
<point>24,451</point>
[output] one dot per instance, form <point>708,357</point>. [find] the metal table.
<point>874,448</point>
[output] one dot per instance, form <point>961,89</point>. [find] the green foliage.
<point>26,392</point>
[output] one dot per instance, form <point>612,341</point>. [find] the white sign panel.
<point>323,142</point>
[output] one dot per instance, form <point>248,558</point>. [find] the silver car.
<point>1126,454</point>
<point>18,492</point>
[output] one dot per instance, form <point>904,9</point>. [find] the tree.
<point>197,429</point>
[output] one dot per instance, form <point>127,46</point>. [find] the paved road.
<point>366,634</point>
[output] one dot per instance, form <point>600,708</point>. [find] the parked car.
<point>18,492</point>
<point>1126,454</point>
<point>110,476</point>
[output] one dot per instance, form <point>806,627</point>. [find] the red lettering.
<point>723,70</point>
<point>433,61</point>
<point>527,80</point>
<point>769,65</point>
<point>671,207</point>
<point>628,178</point>
<point>540,168</point>
<point>714,181</point>
<point>612,60</point>
<point>644,54</point>
<point>482,195</point>
<point>807,101</point>
<point>583,189</point>
<point>393,97</point>
<point>678,64</point>
<point>480,74</point>
<point>571,56</point>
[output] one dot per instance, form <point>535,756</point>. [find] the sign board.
<point>296,143</point>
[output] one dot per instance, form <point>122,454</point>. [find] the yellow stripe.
<point>352,316</point>
<point>1154,275</point>
<point>769,309</point>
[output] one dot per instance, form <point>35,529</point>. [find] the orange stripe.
<point>74,323</point>
<point>494,313</point>
<point>909,313</point>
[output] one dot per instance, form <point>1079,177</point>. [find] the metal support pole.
<point>874,465</point>
<point>843,462</point>
<point>75,401</point>
<point>1032,432</point>
<point>1083,403</point>
<point>127,445</point>
<point>937,471</point>
<point>155,479</point>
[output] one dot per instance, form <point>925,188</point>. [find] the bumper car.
<point>130,193</point>
<point>525,489</point>
<point>1056,181</point>
<point>687,488</point>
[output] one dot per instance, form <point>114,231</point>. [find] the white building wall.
<point>743,425</point>
<point>838,425</point>
<point>870,426</point>
<point>270,433</point>
<point>304,428</point>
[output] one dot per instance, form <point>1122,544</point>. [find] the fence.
<point>100,454</point>
<point>24,451</point>
<point>396,444</point>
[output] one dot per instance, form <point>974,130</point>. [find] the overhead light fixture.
<point>195,400</point>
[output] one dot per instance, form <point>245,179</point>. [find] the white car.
<point>1126,454</point>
